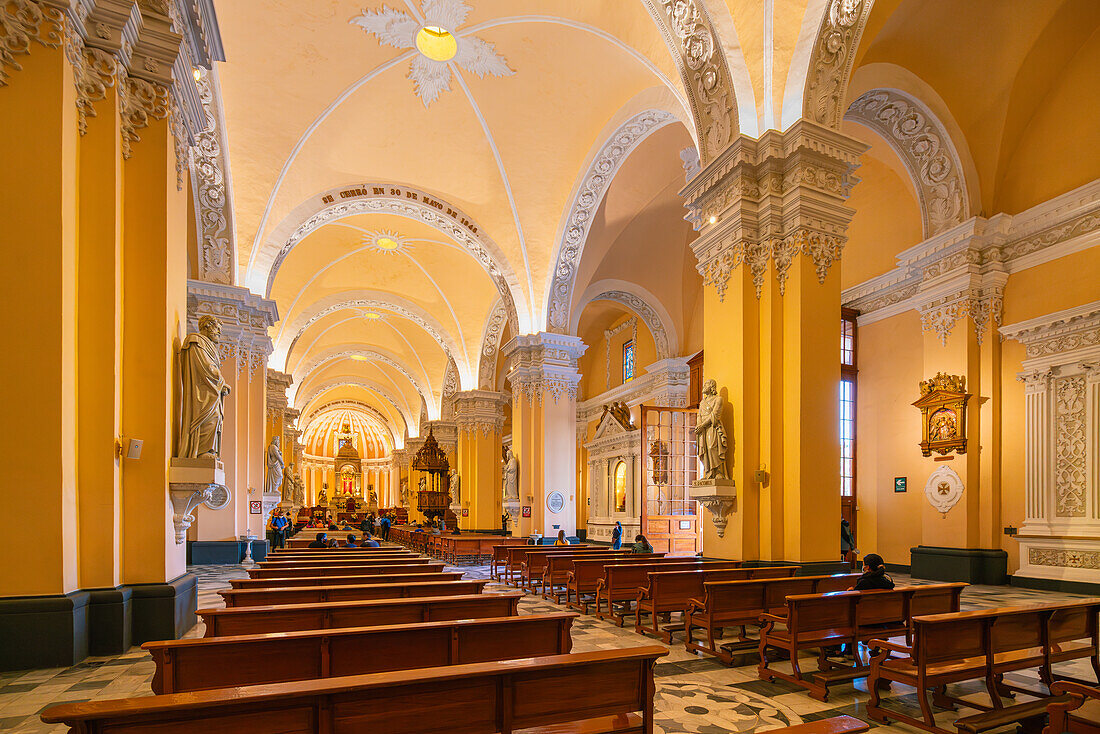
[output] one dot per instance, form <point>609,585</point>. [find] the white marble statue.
<point>710,433</point>
<point>274,467</point>
<point>404,492</point>
<point>511,476</point>
<point>202,392</point>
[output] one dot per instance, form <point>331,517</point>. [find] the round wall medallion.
<point>944,489</point>
<point>219,497</point>
<point>555,501</point>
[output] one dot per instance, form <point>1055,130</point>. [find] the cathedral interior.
<point>728,297</point>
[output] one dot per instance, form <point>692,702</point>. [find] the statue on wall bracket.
<point>942,405</point>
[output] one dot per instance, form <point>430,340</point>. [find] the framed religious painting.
<point>942,404</point>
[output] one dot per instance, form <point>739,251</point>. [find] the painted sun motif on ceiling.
<point>435,36</point>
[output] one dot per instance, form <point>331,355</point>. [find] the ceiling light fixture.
<point>197,73</point>
<point>360,357</point>
<point>386,242</point>
<point>438,44</point>
<point>372,315</point>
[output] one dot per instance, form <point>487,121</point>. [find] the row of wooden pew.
<point>800,613</point>
<point>377,639</point>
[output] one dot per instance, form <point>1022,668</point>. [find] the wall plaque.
<point>555,501</point>
<point>944,489</point>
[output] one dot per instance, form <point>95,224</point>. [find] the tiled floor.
<point>694,693</point>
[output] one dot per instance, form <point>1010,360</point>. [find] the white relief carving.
<point>93,73</point>
<point>140,101</point>
<point>944,489</point>
<point>490,345</point>
<point>214,210</point>
<point>980,304</point>
<point>1064,558</point>
<point>591,192</point>
<point>1070,458</point>
<point>927,150</point>
<point>689,158</point>
<point>430,78</point>
<point>702,65</point>
<point>832,58</point>
<point>24,21</point>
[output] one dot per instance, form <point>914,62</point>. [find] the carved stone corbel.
<point>186,497</point>
<point>719,496</point>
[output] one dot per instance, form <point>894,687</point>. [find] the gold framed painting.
<point>942,404</point>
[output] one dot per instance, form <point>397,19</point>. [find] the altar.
<point>349,493</point>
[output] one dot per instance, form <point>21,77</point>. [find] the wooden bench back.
<point>196,665</point>
<point>757,596</point>
<point>587,572</point>
<point>687,584</point>
<point>630,577</point>
<point>339,559</point>
<point>835,610</point>
<point>372,570</point>
<point>345,592</point>
<point>560,563</point>
<point>289,617</point>
<point>518,554</point>
<point>480,697</point>
<point>397,578</point>
<point>500,551</point>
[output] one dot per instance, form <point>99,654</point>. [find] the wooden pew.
<point>295,552</point>
<point>671,591</point>
<point>338,559</point>
<point>1060,712</point>
<point>983,645</point>
<point>517,555</point>
<point>535,562</point>
<point>365,570</point>
<point>558,565</point>
<point>319,594</point>
<point>341,551</point>
<point>196,665</point>
<point>819,621</point>
<point>622,580</point>
<point>474,546</point>
<point>586,574</point>
<point>288,617</point>
<point>606,691</point>
<point>499,560</point>
<point>401,578</point>
<point>740,604</point>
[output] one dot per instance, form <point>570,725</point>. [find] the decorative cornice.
<point>831,60</point>
<point>927,149</point>
<point>690,36</point>
<point>479,410</point>
<point>980,253</point>
<point>665,384</point>
<point>773,199</point>
<point>586,200</point>
<point>544,363</point>
<point>244,318</point>
<point>1072,330</point>
<point>277,385</point>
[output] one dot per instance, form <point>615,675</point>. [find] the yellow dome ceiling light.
<point>360,357</point>
<point>372,315</point>
<point>438,44</point>
<point>386,242</point>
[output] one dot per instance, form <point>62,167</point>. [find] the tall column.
<point>543,374</point>
<point>480,418</point>
<point>99,312</point>
<point>772,222</point>
<point>38,207</point>
<point>154,271</point>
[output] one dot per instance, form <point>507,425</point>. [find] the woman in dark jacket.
<point>874,574</point>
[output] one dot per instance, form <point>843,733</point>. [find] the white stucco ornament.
<point>944,489</point>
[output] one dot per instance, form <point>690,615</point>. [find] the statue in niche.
<point>322,496</point>
<point>274,467</point>
<point>710,434</point>
<point>299,489</point>
<point>373,497</point>
<point>202,393</point>
<point>288,482</point>
<point>511,476</point>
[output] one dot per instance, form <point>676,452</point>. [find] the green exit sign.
<point>899,484</point>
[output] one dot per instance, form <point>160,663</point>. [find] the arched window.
<point>620,487</point>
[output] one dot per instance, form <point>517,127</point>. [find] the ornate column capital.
<point>244,318</point>
<point>479,410</point>
<point>544,363</point>
<point>277,384</point>
<point>773,199</point>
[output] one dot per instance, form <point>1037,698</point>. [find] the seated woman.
<point>874,574</point>
<point>561,538</point>
<point>641,545</point>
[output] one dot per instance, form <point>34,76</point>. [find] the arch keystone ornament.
<point>944,489</point>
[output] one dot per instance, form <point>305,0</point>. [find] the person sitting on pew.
<point>319,542</point>
<point>439,527</point>
<point>874,575</point>
<point>369,542</point>
<point>351,542</point>
<point>561,540</point>
<point>641,545</point>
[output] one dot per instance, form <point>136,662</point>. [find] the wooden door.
<point>670,517</point>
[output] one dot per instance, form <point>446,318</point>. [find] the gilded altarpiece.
<point>1060,537</point>
<point>613,468</point>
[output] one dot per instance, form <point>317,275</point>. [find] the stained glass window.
<point>847,403</point>
<point>628,361</point>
